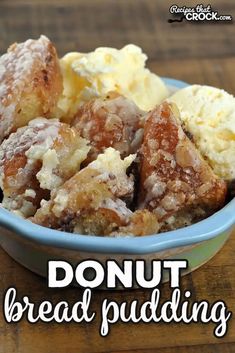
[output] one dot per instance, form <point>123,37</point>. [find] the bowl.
<point>33,246</point>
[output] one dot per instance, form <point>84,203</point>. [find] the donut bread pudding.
<point>111,169</point>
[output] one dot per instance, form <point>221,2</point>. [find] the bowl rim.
<point>207,229</point>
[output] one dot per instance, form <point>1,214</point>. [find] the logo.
<point>199,13</point>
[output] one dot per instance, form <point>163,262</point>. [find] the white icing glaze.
<point>15,70</point>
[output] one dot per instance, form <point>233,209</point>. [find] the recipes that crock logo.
<point>199,13</point>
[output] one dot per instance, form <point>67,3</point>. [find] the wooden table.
<point>202,53</point>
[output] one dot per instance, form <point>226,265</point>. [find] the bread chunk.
<point>30,83</point>
<point>35,160</point>
<point>93,200</point>
<point>176,183</point>
<point>111,122</point>
<point>141,222</point>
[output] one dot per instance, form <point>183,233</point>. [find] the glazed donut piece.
<point>140,223</point>
<point>93,200</point>
<point>35,160</point>
<point>30,83</point>
<point>111,122</point>
<point>176,183</point>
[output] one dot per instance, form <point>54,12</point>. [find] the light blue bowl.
<point>33,245</point>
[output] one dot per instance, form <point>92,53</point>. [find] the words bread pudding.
<point>78,153</point>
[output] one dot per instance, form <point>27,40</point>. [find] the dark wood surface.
<point>203,54</point>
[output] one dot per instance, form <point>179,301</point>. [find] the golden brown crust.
<point>91,202</point>
<point>140,223</point>
<point>30,83</point>
<point>36,159</point>
<point>111,122</point>
<point>86,204</point>
<point>173,176</point>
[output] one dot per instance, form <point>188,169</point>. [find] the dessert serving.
<point>95,144</point>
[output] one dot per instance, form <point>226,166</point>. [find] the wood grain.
<point>210,348</point>
<point>214,281</point>
<point>85,24</point>
<point>194,53</point>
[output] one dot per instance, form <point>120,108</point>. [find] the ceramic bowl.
<point>32,245</point>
